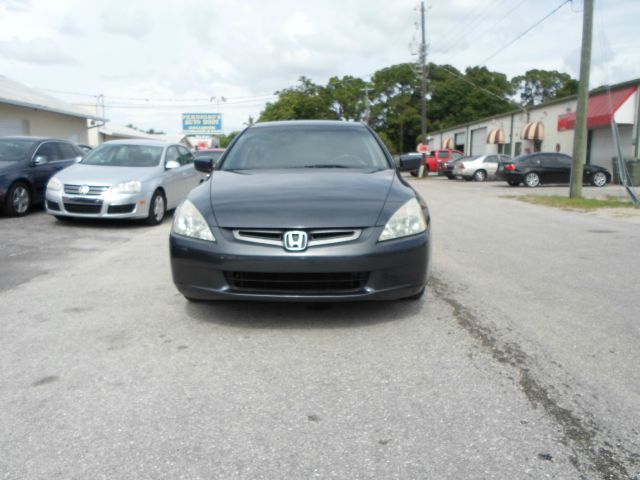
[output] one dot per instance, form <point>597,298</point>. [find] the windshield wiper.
<point>326,165</point>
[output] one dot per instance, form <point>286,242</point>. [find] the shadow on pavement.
<point>268,315</point>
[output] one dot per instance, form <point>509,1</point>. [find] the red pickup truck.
<point>436,157</point>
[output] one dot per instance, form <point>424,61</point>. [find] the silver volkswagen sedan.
<point>124,179</point>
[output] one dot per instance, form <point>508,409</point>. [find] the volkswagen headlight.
<point>189,222</point>
<point>132,186</point>
<point>408,220</point>
<point>54,184</point>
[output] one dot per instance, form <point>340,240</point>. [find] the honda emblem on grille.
<point>83,190</point>
<point>295,240</point>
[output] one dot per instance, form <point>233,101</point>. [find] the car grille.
<point>83,208</point>
<point>301,283</point>
<point>316,237</point>
<point>72,189</point>
<point>115,209</point>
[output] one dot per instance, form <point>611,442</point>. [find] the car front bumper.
<point>106,205</point>
<point>385,270</point>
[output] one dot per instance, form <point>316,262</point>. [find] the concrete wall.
<point>40,123</point>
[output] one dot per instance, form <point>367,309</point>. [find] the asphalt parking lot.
<point>520,362</point>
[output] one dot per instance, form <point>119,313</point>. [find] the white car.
<point>480,168</point>
<point>124,179</point>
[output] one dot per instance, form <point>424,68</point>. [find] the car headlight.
<point>408,220</point>
<point>189,222</point>
<point>132,186</point>
<point>54,184</point>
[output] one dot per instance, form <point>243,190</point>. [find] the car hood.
<point>103,176</point>
<point>299,198</point>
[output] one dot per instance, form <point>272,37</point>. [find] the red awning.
<point>602,108</point>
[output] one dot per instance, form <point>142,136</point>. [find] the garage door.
<point>11,126</point>
<point>460,141</point>
<point>478,141</point>
<point>602,148</point>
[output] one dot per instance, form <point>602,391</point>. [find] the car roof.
<point>139,142</point>
<point>309,123</point>
<point>35,139</point>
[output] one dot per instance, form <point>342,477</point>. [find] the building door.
<point>478,141</point>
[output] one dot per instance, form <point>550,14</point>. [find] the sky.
<point>154,60</point>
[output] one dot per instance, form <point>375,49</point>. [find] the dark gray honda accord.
<point>302,211</point>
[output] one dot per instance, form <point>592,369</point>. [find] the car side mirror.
<point>40,160</point>
<point>204,164</point>
<point>407,163</point>
<point>171,164</point>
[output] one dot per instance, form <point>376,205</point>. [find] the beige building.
<point>25,111</point>
<point>549,127</point>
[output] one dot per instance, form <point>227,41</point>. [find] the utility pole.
<point>580,138</point>
<point>367,114</point>
<point>423,90</point>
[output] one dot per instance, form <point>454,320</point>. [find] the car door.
<point>46,161</point>
<point>490,165</point>
<point>172,177</point>
<point>190,176</point>
<point>70,155</point>
<point>564,168</point>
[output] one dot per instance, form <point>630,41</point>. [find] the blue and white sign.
<point>201,123</point>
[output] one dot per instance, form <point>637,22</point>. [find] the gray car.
<point>124,179</point>
<point>480,168</point>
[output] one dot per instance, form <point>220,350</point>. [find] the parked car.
<point>480,167</point>
<point>26,165</point>
<point>124,179</point>
<point>435,157</point>
<point>302,211</point>
<point>446,168</point>
<point>537,168</point>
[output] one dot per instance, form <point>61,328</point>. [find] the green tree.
<point>348,100</point>
<point>305,101</point>
<point>456,97</point>
<point>396,105</point>
<point>537,86</point>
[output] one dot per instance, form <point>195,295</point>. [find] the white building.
<point>549,127</point>
<point>25,111</point>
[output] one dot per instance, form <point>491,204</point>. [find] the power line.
<point>524,33</point>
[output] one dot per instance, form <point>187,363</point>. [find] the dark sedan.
<point>302,211</point>
<point>26,165</point>
<point>538,168</point>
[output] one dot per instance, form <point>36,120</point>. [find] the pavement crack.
<point>581,435</point>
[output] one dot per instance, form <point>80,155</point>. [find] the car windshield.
<point>124,156</point>
<point>305,147</point>
<point>14,149</point>
<point>215,155</point>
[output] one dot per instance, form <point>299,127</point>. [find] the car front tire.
<point>480,176</point>
<point>157,208</point>
<point>18,202</point>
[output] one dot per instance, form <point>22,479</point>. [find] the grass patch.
<point>582,204</point>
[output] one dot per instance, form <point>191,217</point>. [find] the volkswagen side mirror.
<point>171,164</point>
<point>40,160</point>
